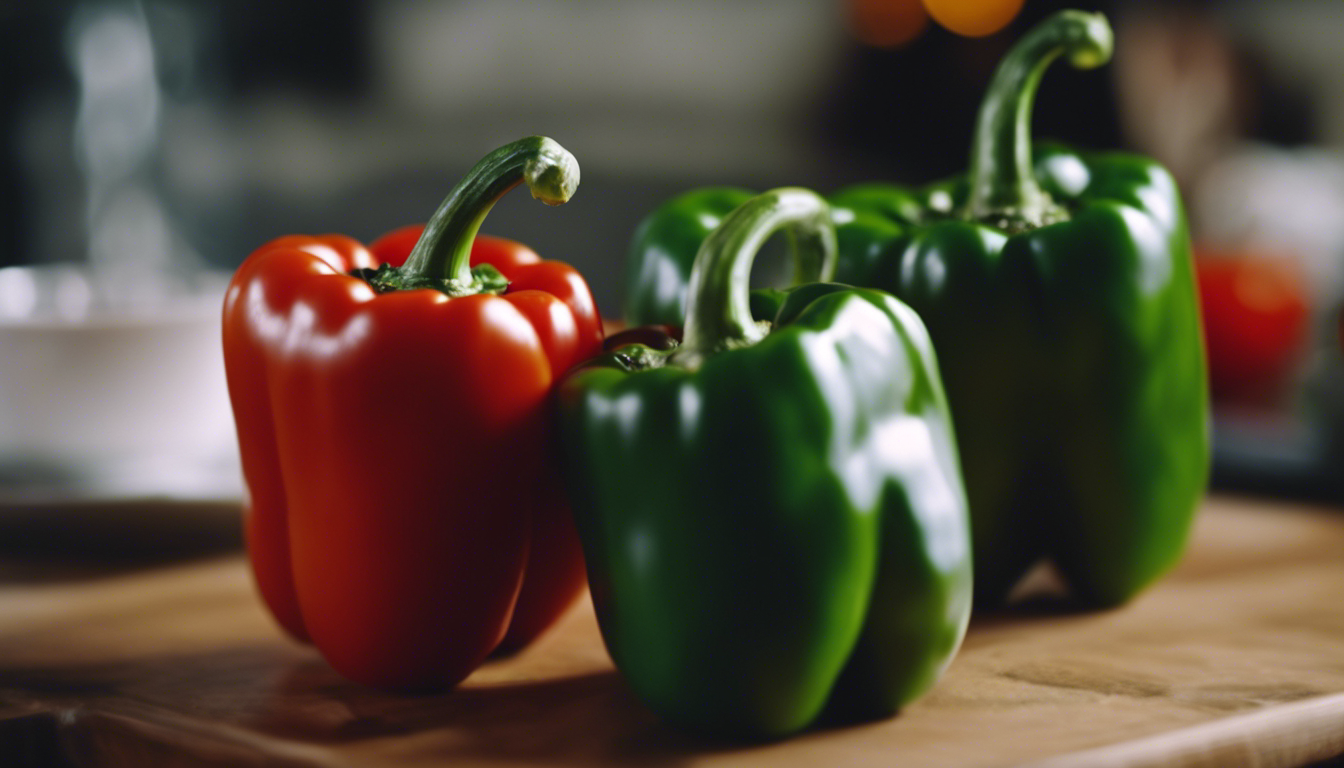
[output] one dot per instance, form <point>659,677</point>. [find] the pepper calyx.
<point>718,306</point>
<point>441,258</point>
<point>1004,192</point>
<point>387,279</point>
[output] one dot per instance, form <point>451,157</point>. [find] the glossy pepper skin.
<point>773,521</point>
<point>404,514</point>
<point>1057,288</point>
<point>663,248</point>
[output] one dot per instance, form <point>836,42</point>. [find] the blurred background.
<point>158,142</point>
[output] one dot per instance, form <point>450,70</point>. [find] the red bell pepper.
<point>404,515</point>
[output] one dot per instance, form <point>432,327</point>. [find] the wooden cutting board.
<point>1235,659</point>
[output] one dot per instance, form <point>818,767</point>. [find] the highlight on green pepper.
<point>1058,290</point>
<point>772,513</point>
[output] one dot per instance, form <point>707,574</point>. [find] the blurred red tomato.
<point>887,23</point>
<point>1256,320</point>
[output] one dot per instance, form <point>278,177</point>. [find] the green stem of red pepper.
<point>718,312</point>
<point>1004,191</point>
<point>441,258</point>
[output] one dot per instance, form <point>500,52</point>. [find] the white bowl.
<point>113,385</point>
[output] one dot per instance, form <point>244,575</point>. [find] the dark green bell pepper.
<point>1057,287</point>
<point>772,514</point>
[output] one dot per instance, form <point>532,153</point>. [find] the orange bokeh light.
<point>973,18</point>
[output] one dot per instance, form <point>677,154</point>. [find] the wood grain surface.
<point>1235,659</point>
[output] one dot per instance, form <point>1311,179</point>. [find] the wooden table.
<point>1235,659</point>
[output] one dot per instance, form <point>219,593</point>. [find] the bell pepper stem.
<point>443,253</point>
<point>718,309</point>
<point>1004,192</point>
<point>810,264</point>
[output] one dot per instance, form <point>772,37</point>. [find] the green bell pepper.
<point>772,515</point>
<point>1058,290</point>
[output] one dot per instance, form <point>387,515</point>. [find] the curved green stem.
<point>718,310</point>
<point>443,253</point>
<point>1004,191</point>
<point>811,264</point>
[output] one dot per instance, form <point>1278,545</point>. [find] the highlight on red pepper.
<point>404,514</point>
